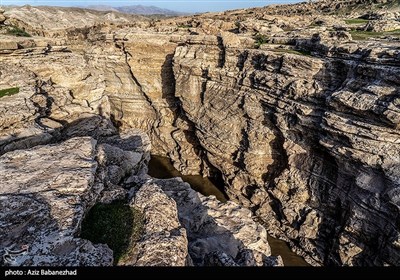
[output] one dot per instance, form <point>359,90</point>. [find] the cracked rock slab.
<point>219,234</point>
<point>44,194</point>
<point>164,241</point>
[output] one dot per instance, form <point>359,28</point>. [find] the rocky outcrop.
<point>44,194</point>
<point>301,123</point>
<point>55,109</point>
<point>164,241</point>
<point>302,143</point>
<point>2,16</point>
<point>381,26</point>
<point>219,234</point>
<point>330,7</point>
<point>76,23</point>
<point>47,190</point>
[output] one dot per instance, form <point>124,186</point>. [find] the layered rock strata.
<point>44,194</point>
<point>47,190</point>
<point>310,144</point>
<point>301,124</point>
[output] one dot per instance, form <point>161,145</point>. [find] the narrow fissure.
<point>162,168</point>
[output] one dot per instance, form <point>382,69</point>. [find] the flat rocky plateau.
<point>295,108</point>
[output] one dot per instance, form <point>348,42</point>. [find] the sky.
<point>176,5</point>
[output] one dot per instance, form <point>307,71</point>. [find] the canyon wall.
<point>61,153</point>
<point>308,141</point>
<point>311,145</point>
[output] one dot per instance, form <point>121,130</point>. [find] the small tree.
<point>260,40</point>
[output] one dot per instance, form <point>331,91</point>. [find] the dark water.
<point>161,167</point>
<point>280,247</point>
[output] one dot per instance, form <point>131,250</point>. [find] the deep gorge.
<point>161,167</point>
<point>307,141</point>
<point>280,130</point>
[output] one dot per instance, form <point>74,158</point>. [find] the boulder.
<point>225,231</point>
<point>164,241</point>
<point>44,194</point>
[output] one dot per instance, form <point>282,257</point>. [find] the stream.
<point>162,168</point>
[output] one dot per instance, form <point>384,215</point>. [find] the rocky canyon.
<point>293,109</point>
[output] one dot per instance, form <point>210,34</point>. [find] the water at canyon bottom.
<point>162,168</point>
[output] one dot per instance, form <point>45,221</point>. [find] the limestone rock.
<point>269,156</point>
<point>45,192</point>
<point>224,230</point>
<point>121,158</point>
<point>164,241</point>
<point>381,26</point>
<point>2,16</point>
<point>45,20</point>
<point>8,45</point>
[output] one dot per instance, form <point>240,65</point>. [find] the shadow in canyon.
<point>208,241</point>
<point>175,104</point>
<point>168,93</point>
<point>116,224</point>
<point>162,168</point>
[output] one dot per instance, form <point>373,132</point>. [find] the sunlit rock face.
<point>300,123</point>
<point>311,144</point>
<point>45,192</point>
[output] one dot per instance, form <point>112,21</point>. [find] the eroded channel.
<point>162,168</point>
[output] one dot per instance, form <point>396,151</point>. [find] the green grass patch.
<point>117,225</point>
<point>260,40</point>
<point>16,31</point>
<point>364,35</point>
<point>356,21</point>
<point>298,52</point>
<point>8,91</point>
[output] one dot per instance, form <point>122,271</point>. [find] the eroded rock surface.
<point>297,112</point>
<point>311,143</point>
<point>44,194</point>
<point>164,241</point>
<point>221,234</point>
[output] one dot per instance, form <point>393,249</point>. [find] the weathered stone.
<point>270,156</point>
<point>2,18</point>
<point>212,227</point>
<point>381,26</point>
<point>164,241</point>
<point>44,194</point>
<point>8,45</point>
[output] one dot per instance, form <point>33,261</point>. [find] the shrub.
<point>16,31</point>
<point>260,40</point>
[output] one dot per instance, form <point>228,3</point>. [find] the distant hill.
<point>102,8</point>
<point>137,10</point>
<point>331,7</point>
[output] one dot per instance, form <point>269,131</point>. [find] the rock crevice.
<point>299,120</point>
